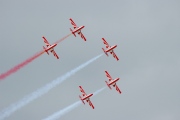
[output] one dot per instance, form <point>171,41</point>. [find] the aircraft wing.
<point>54,53</point>
<point>83,92</point>
<point>45,41</point>
<point>117,88</point>
<point>90,103</point>
<point>73,23</point>
<point>108,76</point>
<point>82,36</point>
<point>104,41</point>
<point>114,55</point>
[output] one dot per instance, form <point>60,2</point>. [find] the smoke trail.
<point>62,39</point>
<point>17,67</point>
<point>69,108</point>
<point>41,91</point>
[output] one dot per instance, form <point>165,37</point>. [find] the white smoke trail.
<point>69,108</point>
<point>41,91</point>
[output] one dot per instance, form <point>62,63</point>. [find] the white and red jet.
<point>112,82</point>
<point>49,48</point>
<point>77,29</point>
<point>85,97</point>
<point>109,49</point>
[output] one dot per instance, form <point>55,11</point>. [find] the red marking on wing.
<point>82,36</point>
<point>90,103</point>
<point>115,56</point>
<point>54,53</point>
<point>45,41</point>
<point>108,76</point>
<point>83,92</point>
<point>117,88</point>
<point>73,23</point>
<point>104,41</point>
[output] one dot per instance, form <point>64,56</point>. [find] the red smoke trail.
<point>17,67</point>
<point>62,39</point>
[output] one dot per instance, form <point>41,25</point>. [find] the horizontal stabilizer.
<point>108,85</point>
<point>104,51</point>
<point>81,99</point>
